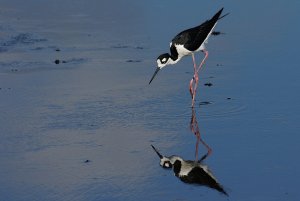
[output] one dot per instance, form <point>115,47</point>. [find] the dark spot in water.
<point>209,84</point>
<point>57,50</point>
<point>134,152</point>
<point>133,61</point>
<point>87,161</point>
<point>75,60</point>
<point>120,46</point>
<point>72,61</point>
<point>219,64</point>
<point>216,33</point>
<point>204,103</point>
<point>14,70</point>
<point>228,98</point>
<point>38,48</point>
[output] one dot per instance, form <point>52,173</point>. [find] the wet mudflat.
<point>78,117</point>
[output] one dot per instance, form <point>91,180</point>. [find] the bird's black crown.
<point>163,58</point>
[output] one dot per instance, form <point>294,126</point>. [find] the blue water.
<point>82,129</point>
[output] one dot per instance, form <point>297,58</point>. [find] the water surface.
<point>82,129</point>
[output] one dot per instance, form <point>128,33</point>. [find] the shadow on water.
<point>192,171</point>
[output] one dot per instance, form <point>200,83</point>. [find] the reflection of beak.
<point>160,156</point>
<point>156,71</point>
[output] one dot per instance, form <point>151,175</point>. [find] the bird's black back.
<point>193,38</point>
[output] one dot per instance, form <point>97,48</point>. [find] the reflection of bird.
<point>186,43</point>
<point>192,172</point>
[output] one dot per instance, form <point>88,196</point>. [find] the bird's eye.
<point>167,164</point>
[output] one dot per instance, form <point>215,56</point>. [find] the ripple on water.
<point>221,108</point>
<point>117,108</point>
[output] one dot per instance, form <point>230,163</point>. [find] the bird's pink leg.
<point>194,61</point>
<point>193,80</point>
<point>202,62</point>
<point>196,78</point>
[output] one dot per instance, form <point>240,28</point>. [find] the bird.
<point>188,42</point>
<point>191,172</point>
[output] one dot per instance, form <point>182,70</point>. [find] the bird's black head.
<point>165,162</point>
<point>162,60</point>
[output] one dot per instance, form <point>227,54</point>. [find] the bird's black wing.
<point>186,36</point>
<point>192,38</point>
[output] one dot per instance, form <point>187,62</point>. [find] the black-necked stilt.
<point>192,172</point>
<point>186,43</point>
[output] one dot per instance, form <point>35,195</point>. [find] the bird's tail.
<point>223,16</point>
<point>217,17</point>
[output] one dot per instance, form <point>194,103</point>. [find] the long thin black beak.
<point>156,71</point>
<point>160,156</point>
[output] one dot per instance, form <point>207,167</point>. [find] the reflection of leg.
<point>203,157</point>
<point>209,150</point>
<point>195,129</point>
<point>197,146</point>
<point>191,88</point>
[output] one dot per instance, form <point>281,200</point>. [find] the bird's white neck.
<point>173,61</point>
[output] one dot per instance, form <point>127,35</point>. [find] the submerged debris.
<point>209,84</point>
<point>216,33</point>
<point>205,103</point>
<point>133,61</point>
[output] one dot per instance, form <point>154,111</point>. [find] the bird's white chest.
<point>182,51</point>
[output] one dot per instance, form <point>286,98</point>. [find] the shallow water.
<point>82,129</point>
